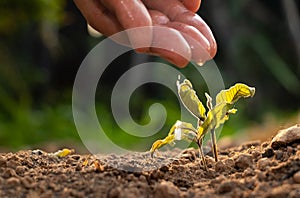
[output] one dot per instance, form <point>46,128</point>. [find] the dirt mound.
<point>253,169</point>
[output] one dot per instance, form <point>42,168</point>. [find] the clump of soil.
<point>253,169</point>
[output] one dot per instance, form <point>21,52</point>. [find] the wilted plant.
<point>209,121</point>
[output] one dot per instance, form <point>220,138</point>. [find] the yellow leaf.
<point>64,152</point>
<point>190,100</point>
<point>234,93</point>
<point>215,117</point>
<point>180,130</point>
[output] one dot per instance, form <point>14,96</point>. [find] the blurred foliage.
<point>42,43</point>
<point>17,15</point>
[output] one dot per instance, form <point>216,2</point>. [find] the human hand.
<point>194,41</point>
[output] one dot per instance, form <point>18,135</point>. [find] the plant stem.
<point>199,142</point>
<point>214,144</point>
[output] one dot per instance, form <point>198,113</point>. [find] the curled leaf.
<point>190,100</point>
<point>180,130</point>
<point>231,95</point>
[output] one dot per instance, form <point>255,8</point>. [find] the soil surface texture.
<point>253,169</point>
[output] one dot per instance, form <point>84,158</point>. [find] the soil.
<point>253,169</point>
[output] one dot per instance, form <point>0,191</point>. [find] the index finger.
<point>99,17</point>
<point>132,14</point>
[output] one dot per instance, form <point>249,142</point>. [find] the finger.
<point>175,48</point>
<point>199,45</point>
<point>169,7</point>
<point>167,42</point>
<point>133,14</point>
<point>176,11</point>
<point>158,18</point>
<point>192,5</point>
<point>197,22</point>
<point>99,17</point>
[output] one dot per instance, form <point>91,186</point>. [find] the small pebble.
<point>296,177</point>
<point>255,154</point>
<point>243,161</point>
<point>3,161</point>
<point>220,166</point>
<point>9,173</point>
<point>290,150</point>
<point>248,172</point>
<point>294,194</point>
<point>278,154</point>
<point>115,192</point>
<point>216,181</point>
<point>78,167</point>
<point>265,144</point>
<point>164,168</point>
<point>279,191</point>
<point>28,182</point>
<point>166,189</point>
<point>286,136</point>
<point>263,163</point>
<point>143,178</point>
<point>226,187</point>
<point>156,174</point>
<point>131,177</point>
<point>12,182</point>
<point>261,175</point>
<point>269,152</point>
<point>229,162</point>
<point>37,152</point>
<point>13,164</point>
<point>20,170</point>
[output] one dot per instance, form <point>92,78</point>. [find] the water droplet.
<point>200,63</point>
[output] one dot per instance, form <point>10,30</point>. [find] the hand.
<point>194,42</point>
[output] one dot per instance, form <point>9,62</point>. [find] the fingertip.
<point>196,21</point>
<point>192,5</point>
<point>181,64</point>
<point>179,61</point>
<point>200,47</point>
<point>213,48</point>
<point>170,56</point>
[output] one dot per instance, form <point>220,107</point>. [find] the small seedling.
<point>207,122</point>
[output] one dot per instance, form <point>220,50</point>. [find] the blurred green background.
<point>43,42</point>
